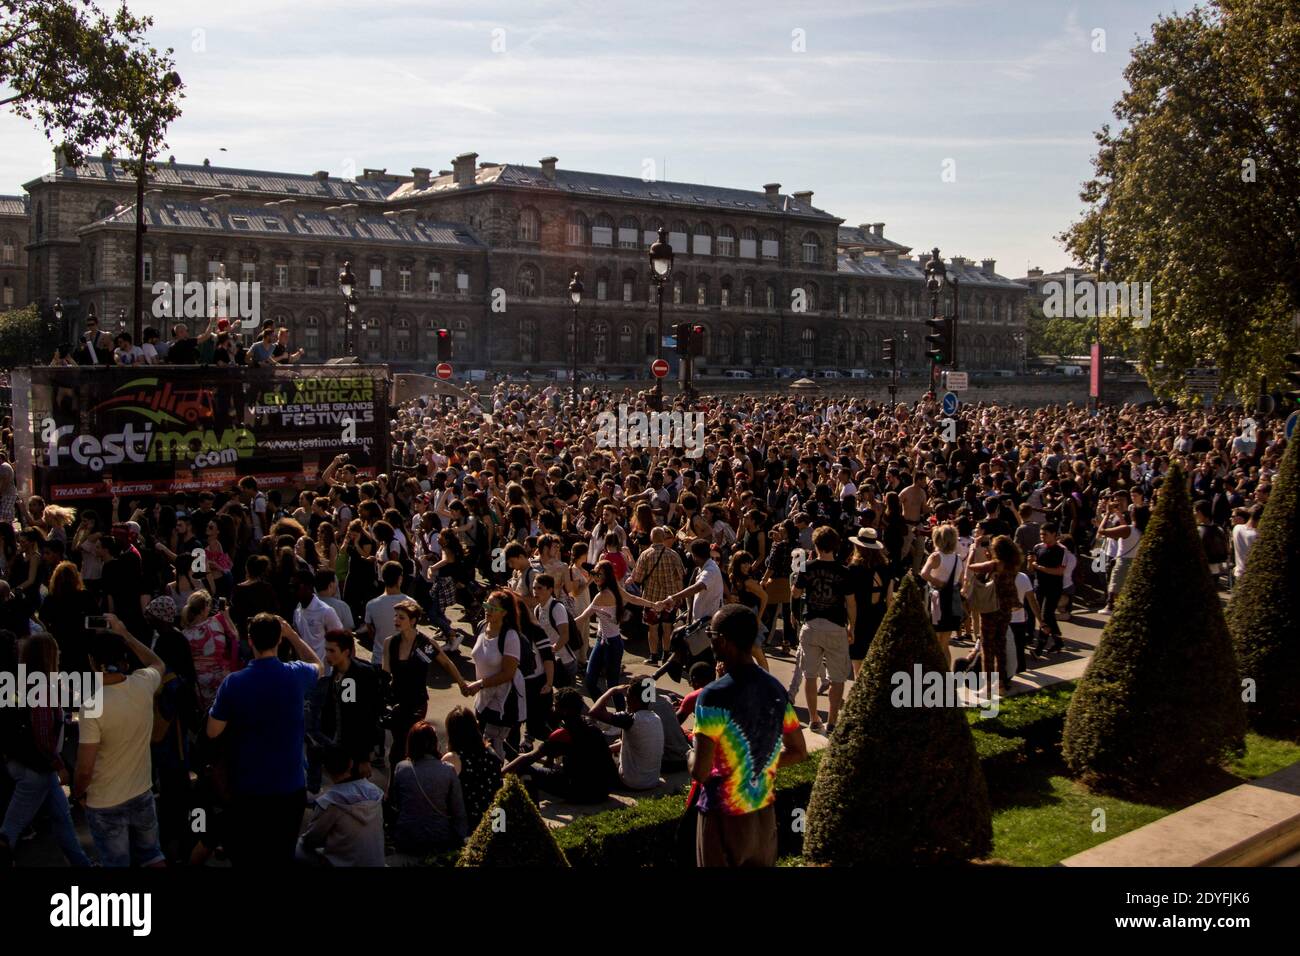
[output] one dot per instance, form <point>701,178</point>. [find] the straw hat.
<point>868,539</point>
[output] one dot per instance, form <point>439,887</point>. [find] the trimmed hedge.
<point>522,839</point>
<point>901,783</point>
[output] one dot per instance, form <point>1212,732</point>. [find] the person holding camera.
<point>261,708</point>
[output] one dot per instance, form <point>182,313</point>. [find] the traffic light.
<point>1293,375</point>
<point>940,341</point>
<point>444,345</point>
<point>887,351</point>
<point>682,333</point>
<point>697,339</point>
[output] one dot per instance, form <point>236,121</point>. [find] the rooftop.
<point>969,274</point>
<point>13,205</point>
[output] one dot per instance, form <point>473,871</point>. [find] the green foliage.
<point>1159,704</point>
<point>1038,718</point>
<point>1265,611</point>
<point>1197,191</point>
<point>899,785</point>
<point>25,339</point>
<point>512,833</point>
<point>88,77</point>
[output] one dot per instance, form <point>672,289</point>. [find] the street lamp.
<point>347,286</point>
<point>1019,339</point>
<point>935,274</point>
<point>575,293</point>
<point>1095,362</point>
<point>661,266</point>
<point>58,317</point>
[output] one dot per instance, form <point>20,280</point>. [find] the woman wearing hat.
<point>873,586</point>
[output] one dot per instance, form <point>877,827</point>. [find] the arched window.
<point>629,284</point>
<point>625,353</point>
<point>812,248</point>
<point>726,241</point>
<point>530,225</point>
<point>771,244</point>
<point>749,243</point>
<point>402,339</point>
<point>628,231</point>
<point>702,241</point>
<point>702,290</point>
<point>807,344</point>
<point>600,343</point>
<point>724,292</point>
<point>602,232</point>
<point>677,237</point>
<point>577,229</point>
<point>602,285</point>
<point>527,282</point>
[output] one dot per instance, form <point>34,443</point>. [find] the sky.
<point>966,124</point>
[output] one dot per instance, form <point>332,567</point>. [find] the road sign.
<point>950,403</point>
<point>958,381</point>
<point>659,367</point>
<point>443,370</point>
<point>1291,421</point>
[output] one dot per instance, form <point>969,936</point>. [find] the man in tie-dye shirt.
<point>745,728</point>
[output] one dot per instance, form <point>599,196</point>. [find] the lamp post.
<point>347,288</point>
<point>935,273</point>
<point>661,266</point>
<point>575,293</point>
<point>1019,339</point>
<point>1096,362</point>
<point>56,331</point>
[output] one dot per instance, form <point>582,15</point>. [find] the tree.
<point>1198,193</point>
<point>1160,702</point>
<point>512,833</point>
<point>24,338</point>
<point>1265,611</point>
<point>899,785</point>
<point>89,78</point>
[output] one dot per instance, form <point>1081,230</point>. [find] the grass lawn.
<point>1044,816</point>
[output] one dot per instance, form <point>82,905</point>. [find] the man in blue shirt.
<point>259,710</point>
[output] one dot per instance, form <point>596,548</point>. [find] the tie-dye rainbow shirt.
<point>745,716</point>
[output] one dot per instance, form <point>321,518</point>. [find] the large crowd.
<point>267,653</point>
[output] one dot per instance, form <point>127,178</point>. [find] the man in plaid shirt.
<point>660,573</point>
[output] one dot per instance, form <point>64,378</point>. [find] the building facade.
<point>14,223</point>
<point>487,250</point>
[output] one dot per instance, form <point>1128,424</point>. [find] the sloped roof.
<point>864,238</point>
<point>217,178</point>
<point>13,205</point>
<point>607,186</point>
<point>293,224</point>
<point>913,268</point>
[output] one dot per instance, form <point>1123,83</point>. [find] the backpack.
<point>530,635</point>
<point>1216,544</point>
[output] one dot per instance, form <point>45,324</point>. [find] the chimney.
<point>548,167</point>
<point>464,167</point>
<point>878,230</point>
<point>804,198</point>
<point>855,254</point>
<point>957,261</point>
<point>220,203</point>
<point>421,176</point>
<point>864,228</point>
<point>347,212</point>
<point>891,258</point>
<point>986,266</point>
<point>322,174</point>
<point>1035,273</point>
<point>405,217</point>
<point>772,190</point>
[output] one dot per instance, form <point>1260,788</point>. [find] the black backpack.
<point>530,635</point>
<point>1215,542</point>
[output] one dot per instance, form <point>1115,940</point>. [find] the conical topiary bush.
<point>1160,702</point>
<point>512,833</point>
<point>899,785</point>
<point>1264,615</point>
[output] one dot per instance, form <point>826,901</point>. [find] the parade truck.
<point>86,432</point>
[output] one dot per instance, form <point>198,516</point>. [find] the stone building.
<point>14,221</point>
<point>487,250</point>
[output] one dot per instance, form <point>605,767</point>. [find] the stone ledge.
<point>1254,824</point>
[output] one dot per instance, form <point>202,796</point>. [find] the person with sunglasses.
<point>501,702</point>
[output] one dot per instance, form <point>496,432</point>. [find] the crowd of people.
<point>220,343</point>
<point>267,653</point>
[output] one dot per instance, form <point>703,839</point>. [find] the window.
<point>627,233</point>
<point>702,292</point>
<point>282,276</point>
<point>311,337</point>
<point>724,293</point>
<point>527,340</point>
<point>749,295</point>
<point>248,271</point>
<point>180,265</point>
<point>376,277</point>
<point>374,348</point>
<point>602,232</point>
<point>771,296</point>
<point>625,343</point>
<point>404,279</point>
<point>749,244</point>
<point>602,286</point>
<point>677,237</point>
<point>435,280</point>
<point>702,244</point>
<point>146,267</point>
<point>530,226</point>
<point>807,344</point>
<point>577,229</point>
<point>462,281</point>
<point>600,343</point>
<point>844,303</point>
<point>771,245</point>
<point>8,253</point>
<point>627,290</point>
<point>726,241</point>
<point>402,340</point>
<point>810,296</point>
<point>812,249</point>
<point>677,290</point>
<point>313,277</point>
<point>652,232</point>
<point>214,269</point>
<point>8,294</point>
<point>526,282</point>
